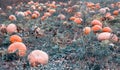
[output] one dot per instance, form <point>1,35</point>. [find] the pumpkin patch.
<point>59,35</point>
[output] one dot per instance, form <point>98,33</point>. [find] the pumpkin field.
<point>58,35</point>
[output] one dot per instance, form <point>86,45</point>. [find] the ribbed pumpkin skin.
<point>37,57</point>
<point>18,46</point>
<point>11,28</point>
<point>15,38</point>
<point>107,36</point>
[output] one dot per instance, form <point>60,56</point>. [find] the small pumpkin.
<point>78,20</point>
<point>34,16</point>
<point>18,46</point>
<point>108,14</point>
<point>47,14</point>
<point>107,29</point>
<point>115,12</point>
<point>37,57</point>
<point>61,16</point>
<point>96,28</point>
<point>11,28</point>
<point>107,36</point>
<point>96,22</point>
<point>12,17</point>
<point>51,11</point>
<point>43,18</point>
<point>72,18</point>
<point>87,30</point>
<point>29,12</point>
<point>37,13</point>
<point>15,38</point>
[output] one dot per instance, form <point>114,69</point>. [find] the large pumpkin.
<point>107,36</point>
<point>18,46</point>
<point>37,57</point>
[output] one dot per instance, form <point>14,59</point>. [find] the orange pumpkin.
<point>15,38</point>
<point>26,14</point>
<point>37,57</point>
<point>12,17</point>
<point>72,18</point>
<point>107,29</point>
<point>108,14</point>
<point>96,28</point>
<point>37,13</point>
<point>34,16</point>
<point>29,12</point>
<point>97,6</point>
<point>52,5</point>
<point>11,28</point>
<point>115,12</point>
<point>87,30</point>
<point>43,18</point>
<point>96,22</point>
<point>47,14</point>
<point>78,20</point>
<point>107,36</point>
<point>51,11</point>
<point>18,46</point>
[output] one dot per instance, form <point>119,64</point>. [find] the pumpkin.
<point>47,14</point>
<point>34,16</point>
<point>97,6</point>
<point>29,12</point>
<point>25,13</point>
<point>30,2</point>
<point>51,11</point>
<point>107,36</point>
<point>61,16</point>
<point>37,57</point>
<point>78,20</point>
<point>12,17</point>
<point>15,38</point>
<point>72,18</point>
<point>37,13</point>
<point>96,28</point>
<point>52,5</point>
<point>18,46</point>
<point>96,22</point>
<point>115,12</point>
<point>107,29</point>
<point>78,15</point>
<point>11,28</point>
<point>9,7</point>
<point>87,30</point>
<point>108,14</point>
<point>43,18</point>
